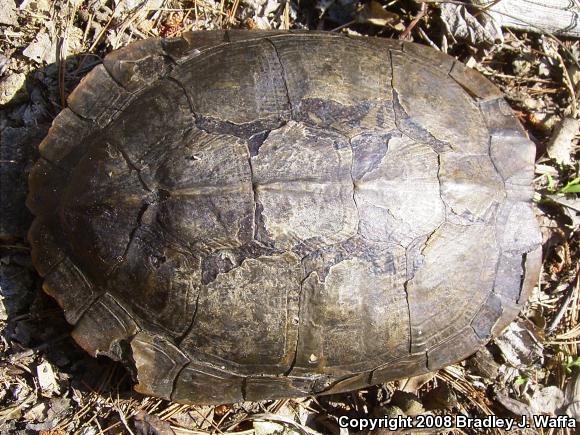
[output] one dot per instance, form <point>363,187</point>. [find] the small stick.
<point>554,324</point>
<point>422,12</point>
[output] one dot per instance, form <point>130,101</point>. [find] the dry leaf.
<point>146,424</point>
<point>547,400</point>
<point>47,379</point>
<point>519,345</point>
<point>561,142</point>
<point>373,13</point>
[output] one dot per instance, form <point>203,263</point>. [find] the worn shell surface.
<point>247,215</point>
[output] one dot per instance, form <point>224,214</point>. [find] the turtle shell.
<point>256,215</point>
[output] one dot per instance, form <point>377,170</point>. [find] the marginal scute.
<point>517,227</point>
<point>158,363</point>
<point>103,326</point>
<point>98,98</point>
<point>237,35</point>
<point>296,169</point>
<point>474,83</point>
<point>415,363</point>
<point>382,44</point>
<point>192,44</point>
<point>276,387</point>
<point>533,267</point>
<point>350,383</point>
<point>207,385</point>
<point>509,276</point>
<point>137,65</point>
<point>509,312</point>
<point>514,158</point>
<point>500,119</point>
<point>247,318</point>
<point>65,133</point>
<point>485,319</point>
<point>439,60</point>
<point>455,348</point>
<point>71,288</point>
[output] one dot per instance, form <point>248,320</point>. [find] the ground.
<point>52,386</point>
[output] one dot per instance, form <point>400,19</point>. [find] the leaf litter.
<point>52,386</point>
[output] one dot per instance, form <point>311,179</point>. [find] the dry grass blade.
<point>572,294</point>
<point>285,421</point>
<point>455,378</point>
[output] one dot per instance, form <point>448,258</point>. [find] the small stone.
<point>36,413</point>
<point>4,64</point>
<point>12,88</point>
<point>151,424</point>
<point>574,73</point>
<point>547,400</point>
<point>521,66</point>
<point>36,6</point>
<point>544,69</point>
<point>270,427</point>
<point>44,47</point>
<point>47,379</point>
<point>8,15</point>
<point>408,403</point>
<point>58,409</point>
<point>442,397</point>
<point>124,6</point>
<point>483,364</point>
<point>531,103</point>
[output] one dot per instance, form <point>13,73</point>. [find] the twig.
<point>568,82</point>
<point>422,12</point>
<point>556,321</point>
<point>123,419</point>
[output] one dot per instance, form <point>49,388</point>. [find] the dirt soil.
<point>51,386</point>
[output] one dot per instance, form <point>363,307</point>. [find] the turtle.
<point>253,215</point>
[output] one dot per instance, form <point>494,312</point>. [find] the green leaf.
<point>551,183</point>
<point>520,380</point>
<point>572,187</point>
<point>571,364</point>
